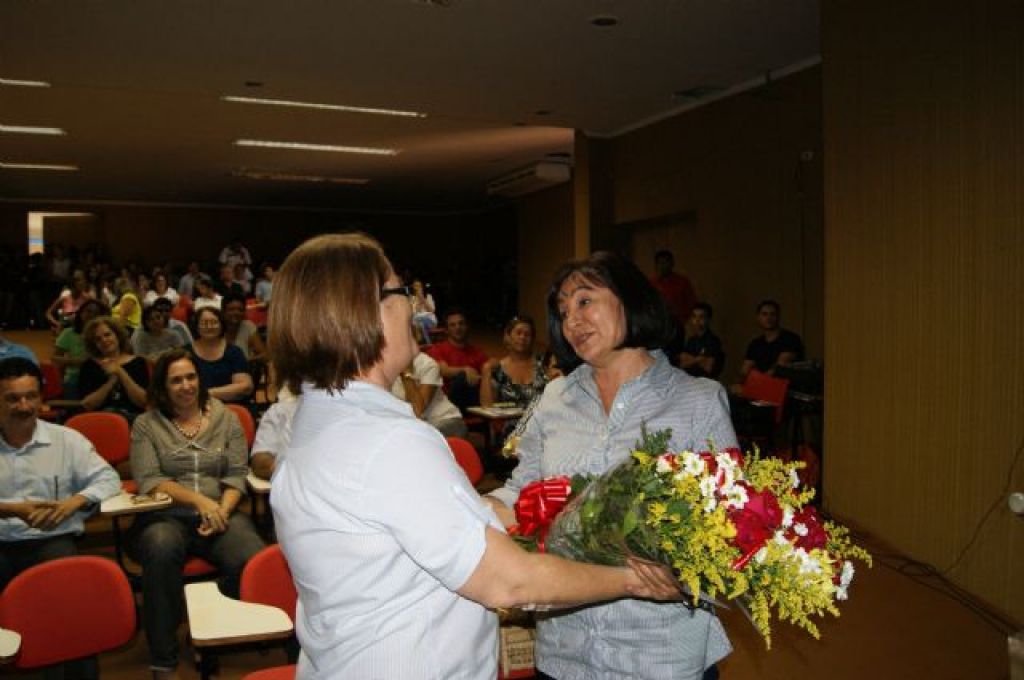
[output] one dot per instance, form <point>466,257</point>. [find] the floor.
<point>892,627</point>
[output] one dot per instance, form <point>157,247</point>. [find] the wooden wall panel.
<point>743,203</point>
<point>924,280</point>
<point>546,241</point>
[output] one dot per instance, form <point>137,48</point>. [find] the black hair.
<point>664,253</point>
<point>19,367</point>
<point>149,312</point>
<point>649,324</point>
<point>706,308</point>
<point>452,311</point>
<point>769,303</point>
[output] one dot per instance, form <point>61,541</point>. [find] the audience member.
<point>235,253</point>
<point>175,326</point>
<point>191,448</point>
<point>675,288</point>
<point>61,311</point>
<point>205,296</point>
<point>519,377</point>
<point>241,332</point>
<point>265,286</point>
<point>460,362</point>
<point>153,337</point>
<point>69,348</point>
<point>113,379</point>
<point>222,367</point>
<point>51,476</point>
<point>243,277</point>
<point>160,291</point>
<point>420,385</point>
<point>273,434</point>
<point>226,285</point>
<point>775,346</point>
<point>701,354</point>
<point>128,310</point>
<point>424,313</point>
<point>187,282</point>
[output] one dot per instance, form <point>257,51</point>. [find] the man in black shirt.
<point>701,355</point>
<point>775,346</point>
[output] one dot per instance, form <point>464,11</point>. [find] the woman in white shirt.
<point>397,561</point>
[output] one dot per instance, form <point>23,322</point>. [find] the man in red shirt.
<point>460,362</point>
<point>675,288</point>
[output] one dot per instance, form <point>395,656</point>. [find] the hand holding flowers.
<point>727,526</point>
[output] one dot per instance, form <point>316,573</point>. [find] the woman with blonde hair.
<point>397,560</point>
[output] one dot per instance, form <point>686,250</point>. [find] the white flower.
<point>794,478</point>
<point>787,517</point>
<point>708,487</point>
<point>663,466</point>
<point>808,565</point>
<point>735,496</point>
<point>761,555</point>
<point>845,578</point>
<point>780,538</point>
<point>800,528</point>
<point>690,465</point>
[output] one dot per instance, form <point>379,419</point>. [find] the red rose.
<point>815,536</point>
<point>756,522</point>
<point>751,531</point>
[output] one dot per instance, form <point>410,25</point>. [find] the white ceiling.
<point>137,85</point>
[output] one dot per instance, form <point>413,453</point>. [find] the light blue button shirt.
<point>381,527</point>
<point>56,463</point>
<point>570,433</point>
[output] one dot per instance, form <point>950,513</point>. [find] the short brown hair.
<point>325,325</point>
<point>89,335</point>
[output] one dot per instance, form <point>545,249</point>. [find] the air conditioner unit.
<point>529,179</point>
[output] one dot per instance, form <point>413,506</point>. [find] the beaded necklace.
<point>185,433</point>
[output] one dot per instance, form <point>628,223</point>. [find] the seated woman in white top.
<point>205,296</point>
<point>420,385</point>
<point>160,290</point>
<point>397,560</point>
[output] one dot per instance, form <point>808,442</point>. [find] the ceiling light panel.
<point>300,146</point>
<point>323,107</point>
<point>31,130</point>
<point>36,166</point>
<point>23,83</point>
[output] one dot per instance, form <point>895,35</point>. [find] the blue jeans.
<point>161,543</point>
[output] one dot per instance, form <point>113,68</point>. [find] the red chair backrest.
<point>467,458</point>
<point>277,673</point>
<point>53,383</point>
<point>267,579</point>
<point>248,424</point>
<point>68,609</point>
<point>763,387</point>
<point>108,432</point>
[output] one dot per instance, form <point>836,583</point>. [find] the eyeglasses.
<point>398,290</point>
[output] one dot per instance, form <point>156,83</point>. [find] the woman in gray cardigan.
<point>192,448</point>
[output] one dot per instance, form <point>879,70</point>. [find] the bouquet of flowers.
<point>729,526</point>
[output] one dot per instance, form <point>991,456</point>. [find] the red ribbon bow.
<point>539,502</point>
